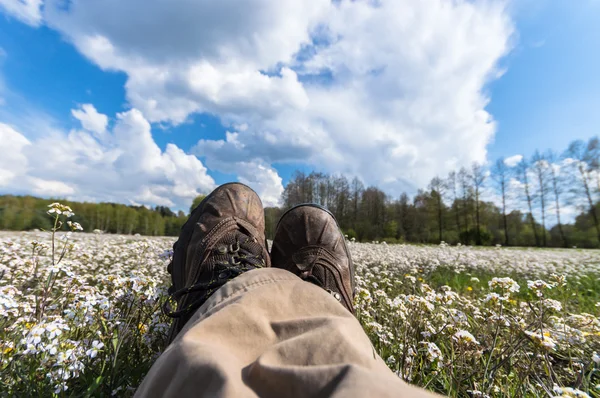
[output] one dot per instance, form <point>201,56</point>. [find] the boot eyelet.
<point>234,248</point>
<point>336,295</point>
<point>222,249</point>
<point>224,274</point>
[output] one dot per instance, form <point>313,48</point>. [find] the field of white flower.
<point>80,315</point>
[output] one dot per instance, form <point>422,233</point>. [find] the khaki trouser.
<point>268,333</point>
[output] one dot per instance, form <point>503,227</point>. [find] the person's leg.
<point>268,332</point>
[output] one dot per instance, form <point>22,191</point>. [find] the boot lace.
<point>240,258</point>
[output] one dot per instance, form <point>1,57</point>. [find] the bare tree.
<point>451,187</point>
<point>343,194</point>
<point>557,189</point>
<point>357,190</point>
<point>500,174</point>
<point>523,170</point>
<point>438,188</point>
<point>585,163</point>
<point>478,175</point>
<point>464,178</point>
<point>540,168</point>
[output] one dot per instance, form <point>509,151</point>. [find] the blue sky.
<point>293,95</point>
<point>549,94</point>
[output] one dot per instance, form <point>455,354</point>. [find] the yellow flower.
<point>469,289</point>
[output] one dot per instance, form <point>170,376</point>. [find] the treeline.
<point>516,202</point>
<point>528,196</point>
<point>22,213</point>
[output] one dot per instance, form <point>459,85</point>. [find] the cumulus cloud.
<point>514,160</point>
<point>13,162</point>
<point>263,179</point>
<point>90,119</point>
<point>26,11</point>
<point>122,165</point>
<point>390,91</point>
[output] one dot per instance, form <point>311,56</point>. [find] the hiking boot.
<point>223,238</point>
<point>308,242</point>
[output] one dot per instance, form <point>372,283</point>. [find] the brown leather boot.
<point>308,242</point>
<point>223,238</point>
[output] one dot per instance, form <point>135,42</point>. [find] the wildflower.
<point>166,254</point>
<point>58,209</point>
<point>463,336</point>
<point>96,347</point>
<point>569,392</point>
<point>507,285</point>
<point>491,297</point>
<point>75,226</point>
<point>596,358</point>
<point>559,280</point>
<point>433,351</point>
<point>476,393</point>
<point>543,339</point>
<point>538,287</point>
<point>552,304</point>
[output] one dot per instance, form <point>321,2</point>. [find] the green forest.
<point>454,208</point>
<point>23,213</point>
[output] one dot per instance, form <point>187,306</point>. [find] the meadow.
<point>80,314</point>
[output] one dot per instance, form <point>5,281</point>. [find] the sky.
<point>154,102</point>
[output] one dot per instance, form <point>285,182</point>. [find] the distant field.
<point>461,321</point>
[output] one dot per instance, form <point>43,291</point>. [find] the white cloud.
<point>514,160</point>
<point>391,91</point>
<point>90,119</point>
<point>264,180</point>
<point>26,11</point>
<point>50,188</point>
<point>12,162</point>
<point>124,165</point>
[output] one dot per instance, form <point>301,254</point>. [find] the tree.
<point>438,189</point>
<point>272,215</point>
<point>196,202</point>
<point>357,189</point>
<point>404,218</point>
<point>464,178</point>
<point>584,162</point>
<point>131,220</point>
<point>451,186</point>
<point>500,175</point>
<point>540,168</point>
<point>343,196</point>
<point>478,175</point>
<point>558,181</point>
<point>522,172</point>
